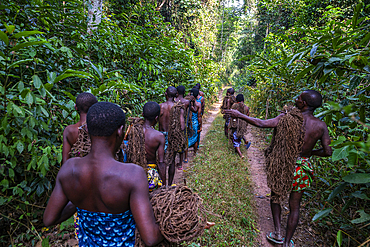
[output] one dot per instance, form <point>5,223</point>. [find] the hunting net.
<point>283,152</point>
<point>136,152</point>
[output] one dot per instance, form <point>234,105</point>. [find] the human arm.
<point>66,145</point>
<point>200,117</point>
<point>182,121</point>
<point>325,142</point>
<point>142,211</point>
<point>269,123</point>
<point>161,164</point>
<point>59,207</point>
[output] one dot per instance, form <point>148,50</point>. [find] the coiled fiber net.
<point>180,214</point>
<point>136,152</point>
<point>176,138</point>
<point>282,154</point>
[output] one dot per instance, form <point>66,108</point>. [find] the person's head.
<point>151,111</point>
<point>232,91</point>
<point>105,119</point>
<point>197,86</point>
<point>240,98</point>
<point>194,92</point>
<point>181,90</point>
<point>84,101</point>
<point>310,98</point>
<point>171,92</point>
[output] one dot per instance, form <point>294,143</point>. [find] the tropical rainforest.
<point>128,52</point>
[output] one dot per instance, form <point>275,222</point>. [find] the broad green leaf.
<point>44,111</point>
<point>354,82</point>
<point>29,98</point>
<point>9,28</point>
<point>36,81</point>
<point>322,214</point>
<point>340,153</point>
<point>20,86</point>
<point>4,37</point>
<point>360,195</point>
<point>357,178</point>
<point>11,172</point>
<point>352,158</point>
<point>45,242</point>
<point>339,238</point>
<point>20,147</point>
<point>26,44</point>
<point>26,34</point>
<point>313,50</point>
<point>340,140</point>
<point>17,109</point>
<point>303,73</point>
<point>336,191</point>
<point>364,217</point>
<point>355,15</point>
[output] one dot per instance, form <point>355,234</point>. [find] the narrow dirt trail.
<point>256,160</point>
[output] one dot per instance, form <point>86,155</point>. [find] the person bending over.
<point>154,144</point>
<point>70,134</point>
<point>111,198</point>
<point>315,130</point>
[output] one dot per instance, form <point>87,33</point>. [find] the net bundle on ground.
<point>135,150</point>
<point>179,213</point>
<point>282,154</point>
<point>238,124</point>
<point>176,138</point>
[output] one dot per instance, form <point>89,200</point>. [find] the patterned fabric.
<point>154,179</point>
<point>303,174</point>
<point>227,121</point>
<point>105,229</point>
<point>166,138</point>
<point>236,141</point>
<point>194,138</point>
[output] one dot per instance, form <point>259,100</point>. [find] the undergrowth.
<point>221,179</point>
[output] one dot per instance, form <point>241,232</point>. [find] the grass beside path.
<point>221,179</point>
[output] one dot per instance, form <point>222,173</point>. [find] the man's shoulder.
<point>73,128</point>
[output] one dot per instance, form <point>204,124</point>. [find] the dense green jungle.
<point>128,52</point>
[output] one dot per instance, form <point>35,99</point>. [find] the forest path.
<point>208,119</point>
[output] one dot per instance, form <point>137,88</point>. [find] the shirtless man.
<point>196,123</point>
<point>180,97</point>
<point>83,102</point>
<point>201,97</point>
<point>103,190</point>
<point>229,103</point>
<point>316,130</point>
<point>164,120</point>
<point>154,142</point>
<point>237,140</point>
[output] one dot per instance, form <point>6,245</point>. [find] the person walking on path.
<point>196,123</point>
<point>227,102</point>
<point>111,198</point>
<point>312,131</point>
<point>70,134</point>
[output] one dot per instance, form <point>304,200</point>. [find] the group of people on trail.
<point>110,200</point>
<point>308,131</point>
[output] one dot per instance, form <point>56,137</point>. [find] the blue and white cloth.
<point>105,229</point>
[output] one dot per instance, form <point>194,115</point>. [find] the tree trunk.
<point>94,15</point>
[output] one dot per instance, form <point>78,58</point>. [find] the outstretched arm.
<point>325,142</point>
<point>161,164</point>
<point>200,117</point>
<point>142,211</point>
<point>269,123</point>
<point>182,121</point>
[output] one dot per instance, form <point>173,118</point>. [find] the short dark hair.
<point>239,98</point>
<point>197,85</point>
<point>104,118</point>
<point>151,110</point>
<point>171,92</point>
<point>84,101</point>
<point>312,98</point>
<point>181,90</point>
<point>194,91</point>
<point>232,91</point>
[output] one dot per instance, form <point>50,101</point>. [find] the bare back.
<point>164,117</point>
<point>100,188</point>
<point>153,141</point>
<point>70,135</point>
<point>315,130</point>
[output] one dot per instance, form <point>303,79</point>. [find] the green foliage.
<point>48,55</point>
<point>330,55</point>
